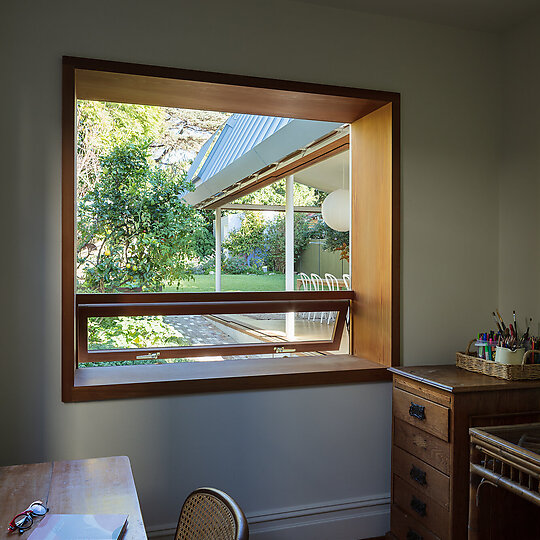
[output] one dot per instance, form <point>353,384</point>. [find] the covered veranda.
<point>251,152</point>
<point>248,153</point>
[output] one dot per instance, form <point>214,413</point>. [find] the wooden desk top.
<point>456,380</point>
<point>86,486</point>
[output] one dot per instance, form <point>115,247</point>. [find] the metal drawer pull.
<point>418,506</point>
<point>417,411</point>
<point>418,475</point>
<point>413,535</point>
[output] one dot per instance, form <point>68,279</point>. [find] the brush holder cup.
<point>506,356</point>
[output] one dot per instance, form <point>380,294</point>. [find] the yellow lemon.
<point>128,265</point>
<point>134,268</point>
<point>107,252</point>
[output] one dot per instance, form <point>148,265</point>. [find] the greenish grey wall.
<point>519,187</point>
<point>274,450</point>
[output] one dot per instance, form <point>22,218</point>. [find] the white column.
<point>218,249</point>
<point>289,234</point>
<point>289,249</point>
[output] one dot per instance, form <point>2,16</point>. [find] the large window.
<point>246,339</point>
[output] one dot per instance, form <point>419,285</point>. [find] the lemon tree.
<point>135,231</point>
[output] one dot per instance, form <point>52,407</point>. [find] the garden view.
<point>135,233</point>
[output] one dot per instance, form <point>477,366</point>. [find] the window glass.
<point>137,230</point>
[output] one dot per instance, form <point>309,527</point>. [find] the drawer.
<point>420,475</point>
<point>404,527</point>
<point>428,448</point>
<point>423,509</point>
<point>423,390</point>
<point>422,413</point>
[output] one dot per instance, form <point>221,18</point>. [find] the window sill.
<point>103,383</point>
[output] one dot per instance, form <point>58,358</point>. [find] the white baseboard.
<point>162,531</point>
<point>350,519</point>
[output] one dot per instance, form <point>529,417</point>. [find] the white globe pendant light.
<point>336,210</point>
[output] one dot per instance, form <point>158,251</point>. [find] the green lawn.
<point>265,282</point>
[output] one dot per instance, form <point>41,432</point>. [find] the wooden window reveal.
<point>375,308</point>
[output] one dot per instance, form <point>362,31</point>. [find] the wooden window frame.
<point>375,225</point>
<point>210,304</point>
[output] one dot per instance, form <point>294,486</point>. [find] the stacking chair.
<point>333,285</point>
<point>306,281</point>
<point>317,282</point>
<point>318,285</point>
<point>347,281</point>
<point>210,514</point>
<point>306,286</point>
<point>332,282</point>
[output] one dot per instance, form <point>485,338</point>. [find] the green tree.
<point>101,126</point>
<point>204,243</point>
<point>275,194</point>
<point>249,238</point>
<point>332,240</point>
<point>135,231</point>
<point>275,240</point>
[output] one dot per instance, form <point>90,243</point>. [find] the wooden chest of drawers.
<point>433,408</point>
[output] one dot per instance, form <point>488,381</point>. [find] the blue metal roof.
<point>236,137</point>
<point>246,144</point>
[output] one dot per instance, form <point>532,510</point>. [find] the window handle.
<point>149,356</point>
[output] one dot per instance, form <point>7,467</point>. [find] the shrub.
<point>275,240</point>
<point>205,266</point>
<point>234,265</point>
<point>333,240</point>
<point>249,238</point>
<point>129,332</point>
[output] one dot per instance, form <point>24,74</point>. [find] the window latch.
<point>149,356</point>
<point>280,350</point>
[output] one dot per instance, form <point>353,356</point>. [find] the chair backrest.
<point>306,282</point>
<point>317,281</point>
<point>211,514</point>
<point>332,282</point>
<point>347,280</point>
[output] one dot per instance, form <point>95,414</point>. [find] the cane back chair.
<point>211,514</point>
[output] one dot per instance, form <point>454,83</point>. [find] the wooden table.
<point>86,486</point>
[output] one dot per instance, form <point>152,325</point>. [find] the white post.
<point>218,249</point>
<point>289,234</point>
<point>289,249</point>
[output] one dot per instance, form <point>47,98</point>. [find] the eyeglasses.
<point>24,520</point>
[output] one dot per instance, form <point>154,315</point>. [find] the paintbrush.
<point>526,334</point>
<point>497,322</point>
<point>501,319</point>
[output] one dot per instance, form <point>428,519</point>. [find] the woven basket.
<point>494,369</point>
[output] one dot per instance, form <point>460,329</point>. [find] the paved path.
<point>198,330</point>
